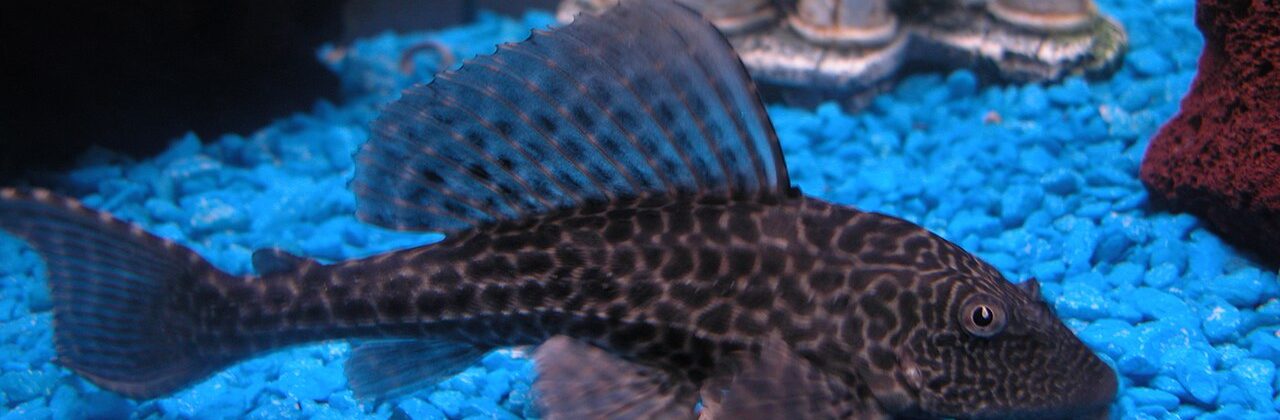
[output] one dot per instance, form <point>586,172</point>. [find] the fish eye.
<point>982,316</point>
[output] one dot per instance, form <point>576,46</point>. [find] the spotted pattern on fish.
<point>654,248</point>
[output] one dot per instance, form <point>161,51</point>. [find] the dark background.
<point>132,75</point>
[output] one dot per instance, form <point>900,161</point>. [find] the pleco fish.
<point>614,191</point>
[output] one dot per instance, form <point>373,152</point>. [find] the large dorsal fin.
<point>647,100</point>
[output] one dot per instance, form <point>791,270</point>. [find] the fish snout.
<point>1094,397</point>
<point>1089,398</point>
<point>1105,392</point>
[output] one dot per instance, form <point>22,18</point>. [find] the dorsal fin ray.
<point>647,100</point>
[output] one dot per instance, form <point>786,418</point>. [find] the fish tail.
<point>126,311</point>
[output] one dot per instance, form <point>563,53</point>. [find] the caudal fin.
<point>125,311</point>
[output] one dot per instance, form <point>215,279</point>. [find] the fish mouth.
<point>1089,400</point>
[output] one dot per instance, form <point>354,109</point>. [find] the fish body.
<point>613,192</point>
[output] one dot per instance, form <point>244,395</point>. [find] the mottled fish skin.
<point>868,297</point>
<point>872,299</point>
<point>732,287</point>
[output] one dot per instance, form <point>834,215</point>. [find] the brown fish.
<point>613,191</point>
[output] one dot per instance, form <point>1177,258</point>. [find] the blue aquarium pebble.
<point>100,405</point>
<point>1221,320</point>
<point>308,379</point>
<point>1161,276</point>
<point>1147,62</point>
<point>1193,370</point>
<point>1244,287</point>
<point>1049,270</point>
<point>1206,256</point>
<point>1269,312</point>
<point>1255,378</point>
<point>1093,279</point>
<point>1112,337</point>
<point>469,382</point>
<point>1157,304</point>
<point>485,409</point>
<point>1264,344</point>
<point>343,402</point>
<point>449,401</point>
<point>1038,179</point>
<point>961,83</point>
<point>497,384</point>
<point>1125,275</point>
<point>288,407</point>
<point>1082,301</point>
<point>1169,385</point>
<point>25,385</point>
<point>1152,397</point>
<point>1072,91</point>
<point>34,409</point>
<point>1019,202</point>
<point>417,409</point>
<point>1033,101</point>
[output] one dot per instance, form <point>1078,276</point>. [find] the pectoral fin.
<point>579,381</point>
<point>776,383</point>
<point>385,370</point>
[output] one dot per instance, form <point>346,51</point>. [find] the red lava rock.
<point>1219,157</point>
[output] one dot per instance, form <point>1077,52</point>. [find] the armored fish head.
<point>976,345</point>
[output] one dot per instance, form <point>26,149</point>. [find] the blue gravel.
<point>1039,180</point>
